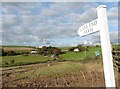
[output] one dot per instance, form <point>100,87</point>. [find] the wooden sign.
<point>88,28</point>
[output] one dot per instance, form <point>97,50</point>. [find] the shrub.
<point>6,63</point>
<point>97,45</point>
<point>4,53</point>
<point>12,61</point>
<point>57,52</point>
<point>71,49</point>
<point>81,48</point>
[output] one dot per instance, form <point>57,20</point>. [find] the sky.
<point>53,23</point>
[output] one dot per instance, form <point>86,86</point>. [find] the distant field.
<point>32,59</point>
<point>23,60</point>
<point>80,55</point>
<point>18,48</point>
<point>64,48</point>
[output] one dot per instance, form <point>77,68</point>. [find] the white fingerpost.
<point>106,47</point>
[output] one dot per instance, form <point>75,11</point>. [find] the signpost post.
<point>106,46</point>
<point>101,24</point>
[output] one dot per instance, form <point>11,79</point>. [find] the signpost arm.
<point>106,47</point>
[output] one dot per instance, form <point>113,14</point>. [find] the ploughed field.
<point>18,48</point>
<point>55,74</point>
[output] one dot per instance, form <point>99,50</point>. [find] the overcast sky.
<point>52,23</point>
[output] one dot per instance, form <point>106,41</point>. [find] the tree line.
<point>49,51</point>
<point>12,53</point>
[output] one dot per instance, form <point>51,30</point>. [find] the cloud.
<point>113,13</point>
<point>9,19</point>
<point>21,8</point>
<point>45,23</point>
<point>49,12</point>
<point>72,6</point>
<point>89,15</point>
<point>95,38</point>
<point>114,37</point>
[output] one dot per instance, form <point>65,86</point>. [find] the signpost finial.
<point>101,6</point>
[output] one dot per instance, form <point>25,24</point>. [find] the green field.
<point>116,46</point>
<point>64,48</point>
<point>32,59</point>
<point>81,55</point>
<point>23,60</point>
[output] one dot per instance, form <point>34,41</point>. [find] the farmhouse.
<point>33,52</point>
<point>39,46</point>
<point>76,50</point>
<point>42,46</point>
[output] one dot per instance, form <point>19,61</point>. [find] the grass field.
<point>64,48</point>
<point>81,55</point>
<point>23,60</point>
<point>32,59</point>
